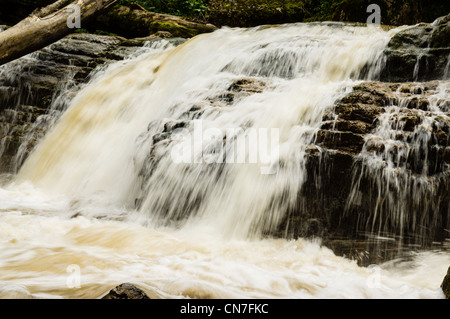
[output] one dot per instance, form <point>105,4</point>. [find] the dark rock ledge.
<point>446,285</point>
<point>419,53</point>
<point>126,291</point>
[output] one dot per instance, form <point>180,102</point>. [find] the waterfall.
<point>169,170</point>
<point>403,167</point>
<point>119,136</point>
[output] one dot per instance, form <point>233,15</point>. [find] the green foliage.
<point>185,8</point>
<point>81,31</point>
<point>255,12</point>
<point>322,10</point>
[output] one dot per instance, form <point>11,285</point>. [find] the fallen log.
<point>47,25</point>
<point>134,21</point>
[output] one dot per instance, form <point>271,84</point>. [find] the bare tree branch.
<point>45,26</point>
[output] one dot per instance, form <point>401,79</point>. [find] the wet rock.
<point>419,53</point>
<point>240,89</point>
<point>249,85</point>
<point>354,126</point>
<point>126,291</point>
<point>160,133</point>
<point>446,285</point>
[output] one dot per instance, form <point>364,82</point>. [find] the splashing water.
<point>308,68</point>
<point>403,168</point>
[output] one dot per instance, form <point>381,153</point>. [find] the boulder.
<point>132,22</point>
<point>419,53</point>
<point>342,190</point>
<point>393,12</point>
<point>35,89</point>
<point>126,291</point>
<point>446,285</point>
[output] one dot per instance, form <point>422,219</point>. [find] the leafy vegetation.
<point>255,12</point>
<point>185,8</point>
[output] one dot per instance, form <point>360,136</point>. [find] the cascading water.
<point>203,144</point>
<point>308,68</point>
<point>404,168</point>
<point>24,105</point>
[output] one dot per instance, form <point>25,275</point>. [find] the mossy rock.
<point>135,23</point>
<point>174,29</point>
<point>441,36</point>
<point>126,291</point>
<point>418,53</point>
<point>249,13</point>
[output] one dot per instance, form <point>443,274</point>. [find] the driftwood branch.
<point>45,26</point>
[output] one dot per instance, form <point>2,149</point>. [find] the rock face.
<point>134,22</point>
<point>419,53</point>
<point>126,291</point>
<point>379,166</point>
<point>393,12</point>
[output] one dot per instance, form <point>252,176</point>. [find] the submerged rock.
<point>378,168</point>
<point>126,291</point>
